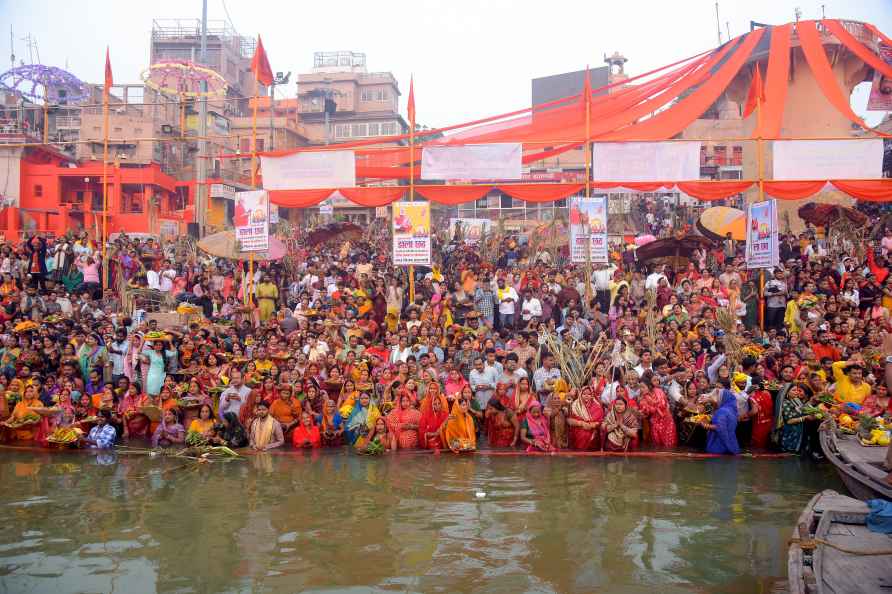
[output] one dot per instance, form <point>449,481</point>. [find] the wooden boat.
<point>861,468</point>
<point>832,551</point>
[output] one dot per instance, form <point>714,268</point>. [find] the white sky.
<point>470,58</point>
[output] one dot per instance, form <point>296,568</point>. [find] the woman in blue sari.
<point>721,438</point>
<point>361,419</point>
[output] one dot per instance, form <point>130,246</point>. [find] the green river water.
<point>337,522</point>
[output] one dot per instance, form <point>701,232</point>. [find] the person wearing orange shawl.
<point>285,409</point>
<point>458,434</point>
<point>585,419</point>
<point>402,423</point>
<point>136,424</point>
<point>306,434</point>
<point>502,428</point>
<point>34,427</point>
<point>434,413</point>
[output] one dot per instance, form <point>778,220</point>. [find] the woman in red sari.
<point>620,426</point>
<point>402,423</point>
<point>502,428</point>
<point>136,424</point>
<point>654,405</point>
<point>523,397</point>
<point>434,412</point>
<point>763,421</point>
<point>585,419</point>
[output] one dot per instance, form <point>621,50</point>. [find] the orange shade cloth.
<point>298,198</point>
<point>541,192</point>
<point>793,190</point>
<point>857,47</point>
<point>373,196</point>
<point>871,190</point>
<point>776,82</point>
<point>713,190</point>
<point>453,194</point>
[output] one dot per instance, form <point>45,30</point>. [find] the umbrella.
<point>674,247</point>
<point>222,245</point>
<point>341,230</point>
<point>823,214</point>
<point>180,77</point>
<point>717,221</point>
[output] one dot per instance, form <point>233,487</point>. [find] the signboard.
<point>273,214</point>
<point>761,235</point>
<point>411,233</point>
<point>381,212</point>
<point>301,171</point>
<point>223,191</point>
<point>471,229</point>
<point>828,159</point>
<point>588,229</point>
<point>326,207</point>
<point>498,161</point>
<point>881,90</point>
<point>251,220</point>
<point>646,161</point>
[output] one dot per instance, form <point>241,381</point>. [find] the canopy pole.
<point>761,173</point>
<point>412,183</point>
<point>587,147</point>
<point>104,237</point>
<point>249,286</point>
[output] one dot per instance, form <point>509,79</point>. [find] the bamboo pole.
<point>412,191</point>
<point>249,287</point>
<point>104,239</point>
<point>761,173</point>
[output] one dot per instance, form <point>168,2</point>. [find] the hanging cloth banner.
<point>588,229</point>
<point>645,161</point>
<point>500,161</point>
<point>251,221</point>
<point>828,159</point>
<point>411,234</point>
<point>761,235</point>
<point>304,171</point>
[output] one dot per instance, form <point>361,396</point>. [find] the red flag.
<point>411,104</point>
<point>260,65</point>
<point>108,74</point>
<point>756,95</point>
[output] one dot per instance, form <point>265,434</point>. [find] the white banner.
<point>251,221</point>
<point>761,235</point>
<point>588,227</point>
<point>500,161</point>
<point>646,161</point>
<point>411,233</point>
<point>471,229</point>
<point>303,171</point>
<point>828,159</point>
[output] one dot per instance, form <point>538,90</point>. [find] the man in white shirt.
<point>483,382</point>
<point>531,306</point>
<point>507,298</point>
<point>165,280</point>
<point>153,279</point>
<point>653,279</point>
<point>644,363</point>
<point>601,278</point>
<point>545,376</point>
<point>233,397</point>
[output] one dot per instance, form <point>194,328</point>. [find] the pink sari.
<point>539,430</point>
<point>406,438</point>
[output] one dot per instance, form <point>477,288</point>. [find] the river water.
<point>337,522</point>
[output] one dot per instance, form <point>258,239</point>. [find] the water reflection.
<point>335,522</point>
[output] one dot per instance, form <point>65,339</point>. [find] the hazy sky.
<point>470,58</point>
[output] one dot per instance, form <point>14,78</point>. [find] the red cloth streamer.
<point>263,73</point>
<point>453,194</point>
<point>756,95</point>
<point>541,192</point>
<point>873,190</point>
<point>776,82</point>
<point>374,196</point>
<point>109,79</point>
<point>793,190</point>
<point>857,47</point>
<point>713,190</point>
<point>299,198</point>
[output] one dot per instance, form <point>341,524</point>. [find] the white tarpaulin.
<point>828,159</point>
<point>303,171</point>
<point>646,161</point>
<point>499,161</point>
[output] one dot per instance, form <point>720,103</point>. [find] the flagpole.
<point>249,290</point>
<point>411,111</point>
<point>761,173</point>
<point>587,89</point>
<point>105,184</point>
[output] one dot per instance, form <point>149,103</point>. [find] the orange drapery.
<point>776,81</point>
<point>373,196</point>
<point>879,34</point>
<point>452,194</point>
<point>857,48</point>
<point>793,190</point>
<point>299,198</point>
<point>713,190</point>
<point>871,190</point>
<point>541,192</point>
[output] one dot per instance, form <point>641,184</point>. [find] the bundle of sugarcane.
<point>651,318</point>
<point>734,343</point>
<point>575,359</point>
<point>844,235</point>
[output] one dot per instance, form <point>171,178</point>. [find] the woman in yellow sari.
<point>267,295</point>
<point>459,434</point>
<point>25,424</point>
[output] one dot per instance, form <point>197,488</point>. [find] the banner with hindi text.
<point>588,229</point>
<point>411,234</point>
<point>762,249</point>
<point>251,220</point>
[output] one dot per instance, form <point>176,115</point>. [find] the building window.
<point>374,95</point>
<point>137,130</point>
<point>737,155</point>
<point>359,130</point>
<point>721,155</point>
<point>388,128</point>
<point>259,144</point>
<point>505,201</point>
<point>245,144</point>
<point>374,129</point>
<point>132,203</point>
<point>342,131</point>
<point>38,190</point>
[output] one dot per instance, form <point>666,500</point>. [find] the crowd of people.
<point>333,346</point>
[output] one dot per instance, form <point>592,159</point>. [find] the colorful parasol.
<point>339,230</point>
<point>718,221</point>
<point>223,245</point>
<point>184,78</point>
<point>672,247</point>
<point>821,215</point>
<point>44,84</point>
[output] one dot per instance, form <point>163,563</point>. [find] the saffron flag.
<point>756,95</point>
<point>411,103</point>
<point>260,65</point>
<point>108,74</point>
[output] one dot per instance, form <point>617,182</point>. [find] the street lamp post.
<point>280,79</point>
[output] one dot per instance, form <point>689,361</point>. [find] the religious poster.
<point>761,235</point>
<point>470,230</point>
<point>251,221</point>
<point>411,233</point>
<point>881,90</point>
<point>588,229</point>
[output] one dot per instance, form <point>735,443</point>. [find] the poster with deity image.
<point>761,235</point>
<point>411,234</point>
<point>588,229</point>
<point>251,220</point>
